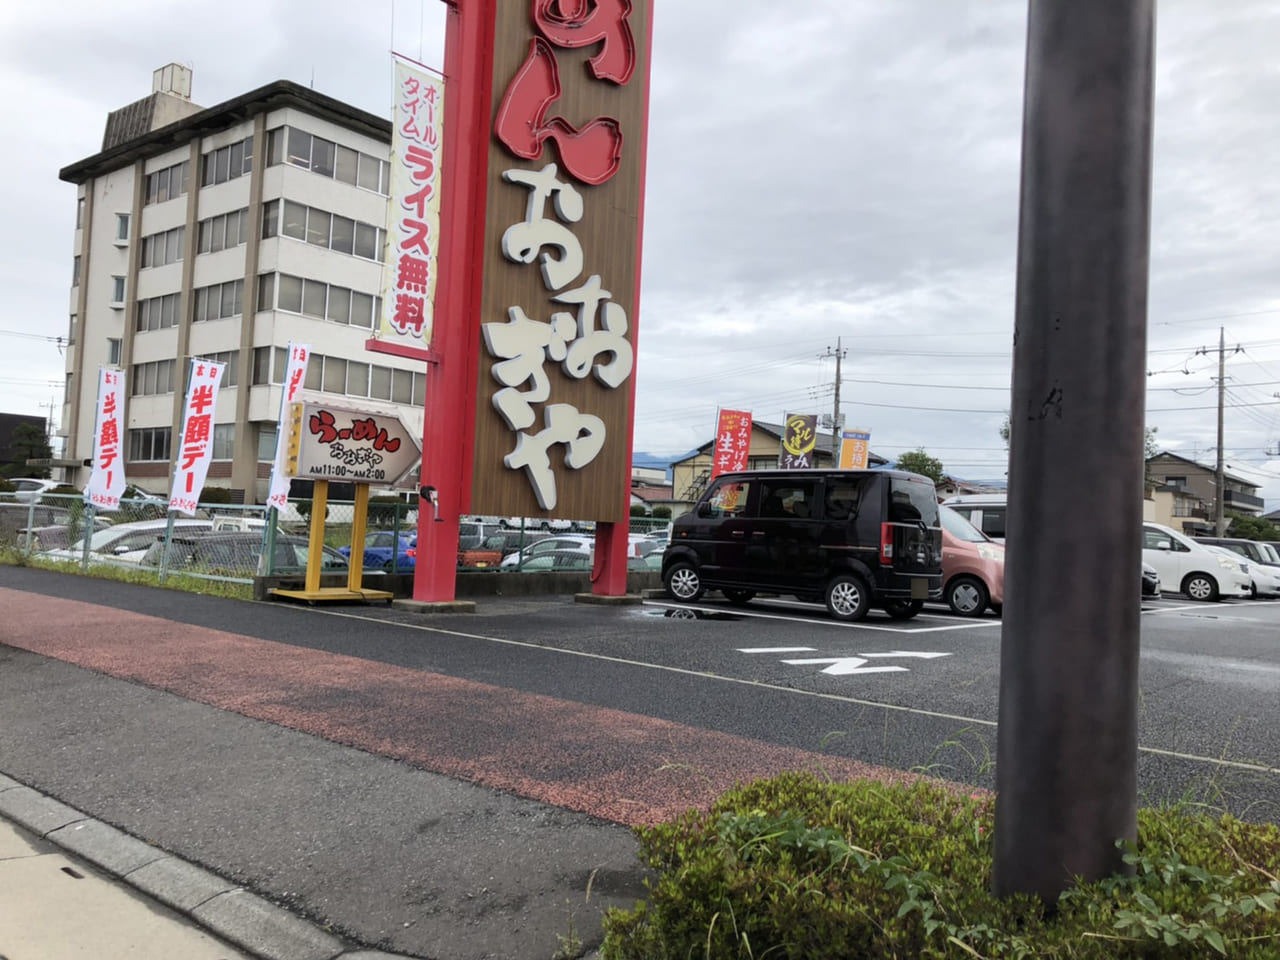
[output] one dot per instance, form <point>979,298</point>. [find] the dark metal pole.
<point>1067,742</point>
<point>1220,492</point>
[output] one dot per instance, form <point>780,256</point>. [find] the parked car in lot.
<point>236,555</point>
<point>538,523</point>
<point>489,554</point>
<point>387,550</point>
<point>125,542</point>
<point>986,511</point>
<point>1202,573</point>
<point>851,538</point>
<point>578,543</point>
<point>1150,582</point>
<point>972,566</point>
<point>29,489</point>
<point>1264,561</point>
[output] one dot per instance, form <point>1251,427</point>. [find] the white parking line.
<point>759,684</point>
<point>861,624</point>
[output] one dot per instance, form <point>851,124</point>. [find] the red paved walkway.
<point>611,764</point>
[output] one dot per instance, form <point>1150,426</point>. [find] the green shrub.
<point>215,495</point>
<point>797,867</point>
<point>662,511</point>
<point>7,486</point>
<point>638,510</point>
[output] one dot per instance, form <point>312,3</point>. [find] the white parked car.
<point>1201,572</point>
<point>28,489</point>
<point>574,542</point>
<point>125,542</point>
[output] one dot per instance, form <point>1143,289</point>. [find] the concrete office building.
<point>225,233</point>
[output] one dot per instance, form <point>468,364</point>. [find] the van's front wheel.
<point>848,598</point>
<point>683,582</point>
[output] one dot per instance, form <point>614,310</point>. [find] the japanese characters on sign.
<point>733,442</point>
<point>106,481</point>
<point>409,274</point>
<point>853,449</point>
<point>295,375</point>
<point>348,444</point>
<point>557,349</point>
<point>195,444</point>
<point>799,438</point>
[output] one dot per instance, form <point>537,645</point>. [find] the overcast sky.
<point>837,169</point>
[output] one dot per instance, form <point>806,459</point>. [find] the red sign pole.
<point>449,426</point>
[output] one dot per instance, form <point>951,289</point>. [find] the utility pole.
<point>1066,773</point>
<point>1220,480</point>
<point>838,353</point>
<point>1219,524</point>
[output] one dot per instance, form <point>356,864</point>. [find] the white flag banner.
<point>295,374</point>
<point>413,228</point>
<point>195,448</point>
<point>106,481</point>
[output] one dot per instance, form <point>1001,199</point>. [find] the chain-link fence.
<point>228,541</point>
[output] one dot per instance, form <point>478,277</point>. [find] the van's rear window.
<point>912,500</point>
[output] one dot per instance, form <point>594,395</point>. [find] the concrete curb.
<point>225,910</point>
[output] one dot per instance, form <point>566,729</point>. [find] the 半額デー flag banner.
<point>195,447</point>
<point>413,227</point>
<point>106,481</point>
<point>799,437</point>
<point>733,442</point>
<point>295,375</point>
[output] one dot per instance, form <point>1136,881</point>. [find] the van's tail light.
<point>886,543</point>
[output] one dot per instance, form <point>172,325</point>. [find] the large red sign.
<point>733,442</point>
<point>561,259</point>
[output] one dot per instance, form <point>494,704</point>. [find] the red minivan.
<point>972,566</point>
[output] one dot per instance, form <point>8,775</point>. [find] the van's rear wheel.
<point>848,598</point>
<point>683,582</point>
<point>738,598</point>
<point>903,609</point>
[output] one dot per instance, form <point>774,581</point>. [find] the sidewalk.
<point>73,887</point>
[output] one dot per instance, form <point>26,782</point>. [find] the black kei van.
<point>851,538</point>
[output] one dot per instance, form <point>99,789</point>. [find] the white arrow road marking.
<point>919,654</point>
<point>843,666</point>
<point>775,649</point>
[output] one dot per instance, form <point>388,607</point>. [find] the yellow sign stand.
<point>313,592</point>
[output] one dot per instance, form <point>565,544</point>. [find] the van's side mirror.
<point>1164,545</point>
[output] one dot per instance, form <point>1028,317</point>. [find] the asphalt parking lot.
<point>920,694</point>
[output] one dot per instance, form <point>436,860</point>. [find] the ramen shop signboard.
<point>349,445</point>
<point>561,267</point>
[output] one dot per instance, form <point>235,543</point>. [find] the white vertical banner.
<point>106,481</point>
<point>295,375</point>
<point>195,446</point>
<point>413,223</point>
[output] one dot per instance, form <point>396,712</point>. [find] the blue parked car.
<point>381,551</point>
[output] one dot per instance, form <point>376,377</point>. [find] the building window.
<point>224,231</point>
<point>219,300</point>
<point>149,444</point>
<point>266,291</point>
<point>329,159</point>
<point>113,351</point>
<point>227,163</point>
<point>157,313</point>
<point>71,329</point>
<point>75,270</point>
<point>167,184</point>
<point>354,378</point>
<point>122,229</point>
<point>224,441</point>
<point>151,379</point>
<point>323,229</point>
<point>266,442</point>
<point>117,291</point>
<point>79,212</point>
<point>66,389</point>
<point>230,358</point>
<point>324,301</point>
<point>162,248</point>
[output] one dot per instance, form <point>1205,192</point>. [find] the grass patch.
<point>146,577</point>
<point>800,868</point>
